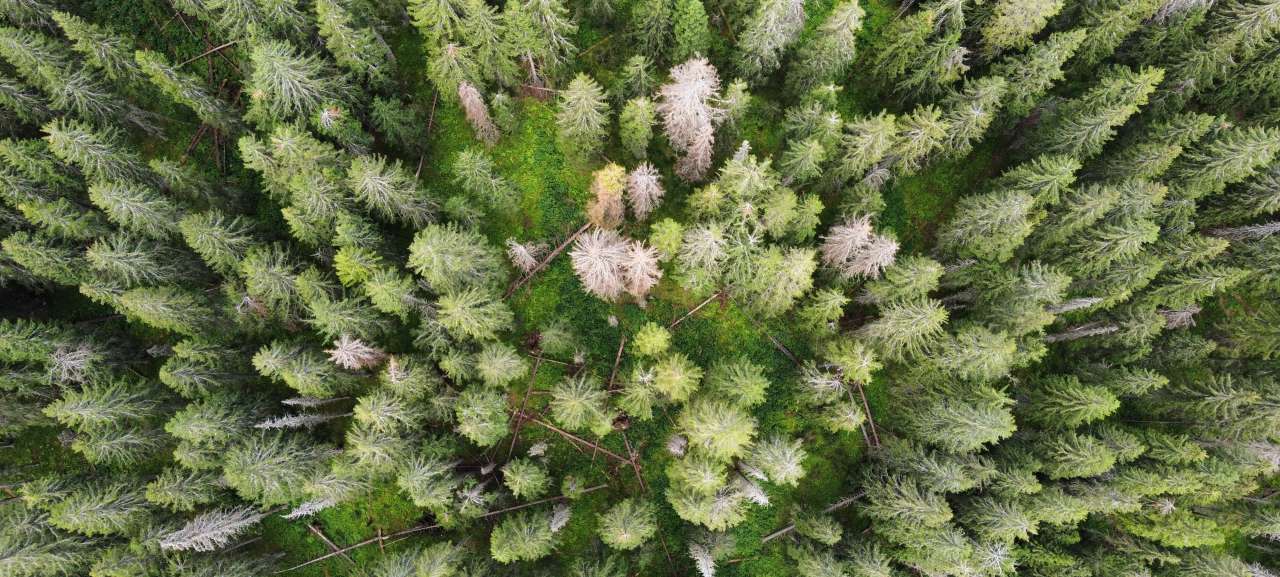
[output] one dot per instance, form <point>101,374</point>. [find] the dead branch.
<point>694,310</point>
<point>524,402</point>
<point>559,249</point>
<point>399,535</point>
<point>781,347</point>
<point>867,407</point>
<point>842,503</point>
<point>542,358</point>
<point>635,462</point>
<point>573,437</point>
<point>207,52</point>
<point>195,140</point>
<point>617,359</point>
<point>334,548</point>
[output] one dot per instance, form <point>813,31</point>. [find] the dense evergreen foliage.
<point>828,288</point>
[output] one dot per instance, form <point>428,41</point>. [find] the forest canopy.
<point>609,288</point>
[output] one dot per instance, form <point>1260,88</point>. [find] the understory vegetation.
<point>609,288</point>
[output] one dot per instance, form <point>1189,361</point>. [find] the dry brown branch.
<point>617,359</point>
<point>400,535</point>
<point>559,249</point>
<point>195,141</point>
<point>783,348</point>
<point>694,310</point>
<point>328,543</point>
<point>207,44</point>
<point>671,564</point>
<point>842,503</point>
<point>867,407</point>
<point>635,462</point>
<point>207,52</point>
<point>573,437</point>
<point>524,402</point>
<point>554,361</point>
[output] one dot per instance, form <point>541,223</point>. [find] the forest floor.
<point>552,193</point>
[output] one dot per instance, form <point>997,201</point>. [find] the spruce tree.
<point>359,49</point>
<point>781,460</point>
<point>1072,455</point>
<point>169,308</point>
<point>716,428</point>
<point>651,27</point>
<point>526,479</point>
<point>962,418</point>
<point>552,27</point>
<point>99,153</point>
<point>1064,402</point>
<point>583,118</point>
<point>438,20</point>
<point>1035,72</point>
<point>676,377</point>
<point>253,20</point>
<point>522,536</point>
<point>1046,178</point>
<point>271,468</point>
<point>474,314</point>
<point>977,353</point>
<point>131,261</point>
<point>919,135</point>
<point>864,143</point>
<point>991,226</point>
<point>22,102</point>
<point>635,126</point>
<point>286,84</point>
<point>100,509</point>
<point>1012,23</point>
<point>627,524</point>
<point>783,277</point>
<point>1109,24</point>
<point>1232,156</point>
<point>485,32</point>
<point>908,279</point>
<point>828,56</point>
<point>1082,126</point>
<point>897,499</point>
<point>482,416</point>
<point>907,329</point>
<point>388,190</point>
<point>1079,210</point>
<point>46,258</point>
<point>450,258</point>
<point>451,65</point>
<point>580,404</point>
<point>103,49</point>
<point>904,40</point>
<point>772,27</point>
<point>690,32</point>
<point>475,171</point>
<point>932,71</point>
<point>970,111</point>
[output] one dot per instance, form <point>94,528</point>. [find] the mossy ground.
<point>552,194</point>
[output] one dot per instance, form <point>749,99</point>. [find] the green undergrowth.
<point>915,205</point>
